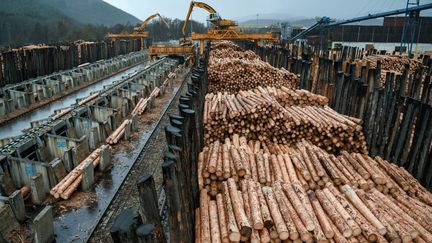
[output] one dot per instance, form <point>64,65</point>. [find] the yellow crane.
<point>139,31</point>
<point>141,27</point>
<point>222,29</point>
<point>214,17</point>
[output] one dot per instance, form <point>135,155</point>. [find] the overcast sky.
<point>247,9</point>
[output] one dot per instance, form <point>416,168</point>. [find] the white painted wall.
<point>418,48</point>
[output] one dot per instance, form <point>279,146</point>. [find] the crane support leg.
<point>202,47</point>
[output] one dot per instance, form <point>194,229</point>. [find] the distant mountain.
<point>267,22</point>
<point>45,21</point>
<point>260,22</point>
<point>274,16</point>
<point>95,12</point>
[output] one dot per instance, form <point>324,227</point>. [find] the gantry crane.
<point>222,29</point>
<point>325,22</point>
<point>139,31</point>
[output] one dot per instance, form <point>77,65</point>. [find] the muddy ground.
<point>127,196</point>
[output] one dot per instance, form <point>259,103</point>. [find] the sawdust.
<point>78,199</point>
<point>21,234</point>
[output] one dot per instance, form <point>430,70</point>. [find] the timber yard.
<point>215,130</point>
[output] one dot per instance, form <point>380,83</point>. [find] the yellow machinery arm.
<point>141,28</point>
<point>214,16</point>
<point>139,32</point>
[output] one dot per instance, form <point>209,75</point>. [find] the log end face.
<point>246,231</point>
<point>258,226</point>
<point>284,235</point>
<point>234,237</point>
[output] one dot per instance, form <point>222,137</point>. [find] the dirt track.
<point>127,196</point>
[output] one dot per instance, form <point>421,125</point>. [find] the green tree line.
<point>17,31</point>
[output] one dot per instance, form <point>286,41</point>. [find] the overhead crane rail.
<point>383,14</point>
<point>327,24</point>
<point>171,50</point>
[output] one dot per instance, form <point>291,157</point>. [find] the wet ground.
<point>150,162</point>
<point>77,218</point>
<point>15,127</point>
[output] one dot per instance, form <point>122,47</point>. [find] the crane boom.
<point>139,31</point>
<point>323,21</point>
<point>142,26</point>
<point>214,17</point>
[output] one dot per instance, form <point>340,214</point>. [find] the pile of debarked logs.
<point>280,165</point>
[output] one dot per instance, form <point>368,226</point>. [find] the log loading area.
<point>239,133</point>
<point>254,156</point>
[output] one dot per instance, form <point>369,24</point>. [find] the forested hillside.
<point>47,21</point>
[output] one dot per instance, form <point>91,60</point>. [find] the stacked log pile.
<point>138,110</point>
<point>285,211</point>
<point>235,74</point>
<point>267,163</point>
<point>69,184</point>
<point>280,165</point>
<point>142,103</point>
<point>231,69</point>
<point>393,63</point>
<point>118,133</point>
<point>290,97</point>
<point>140,106</point>
<point>220,45</point>
<point>233,53</point>
<point>275,116</point>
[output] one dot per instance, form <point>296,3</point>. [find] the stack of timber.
<point>217,45</point>
<point>299,97</point>
<point>280,165</point>
<point>235,74</point>
<point>140,106</point>
<point>69,184</point>
<point>138,110</point>
<point>142,103</point>
<point>394,63</point>
<point>275,115</point>
<point>232,53</point>
<point>232,69</point>
<point>267,163</point>
<point>118,133</point>
<point>285,211</point>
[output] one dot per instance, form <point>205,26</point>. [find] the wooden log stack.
<point>230,52</point>
<point>246,211</point>
<point>290,97</point>
<point>69,184</point>
<point>140,106</point>
<point>155,92</point>
<point>280,165</point>
<point>220,45</point>
<point>259,115</point>
<point>267,162</point>
<point>118,133</point>
<point>394,62</point>
<point>235,74</point>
